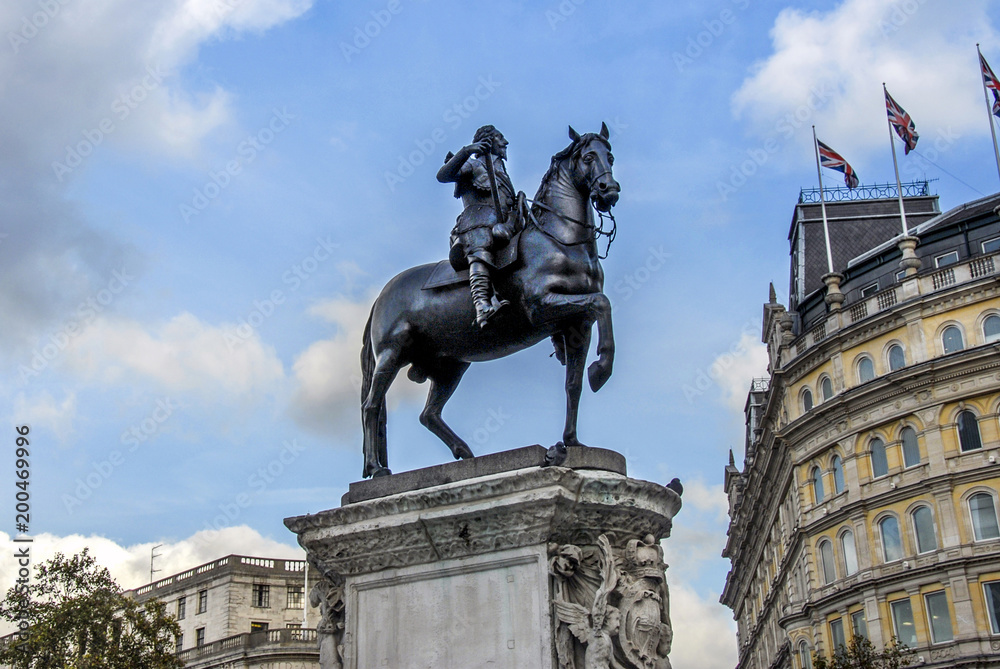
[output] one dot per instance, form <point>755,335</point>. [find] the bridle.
<point>599,229</point>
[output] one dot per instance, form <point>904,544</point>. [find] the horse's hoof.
<point>598,375</point>
<point>381,471</point>
<point>463,453</point>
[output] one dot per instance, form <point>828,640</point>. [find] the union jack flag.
<point>991,83</point>
<point>902,123</point>
<point>830,158</point>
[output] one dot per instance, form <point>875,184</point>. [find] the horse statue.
<point>555,289</point>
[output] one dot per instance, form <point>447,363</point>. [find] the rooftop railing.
<point>283,566</point>
<point>864,192</point>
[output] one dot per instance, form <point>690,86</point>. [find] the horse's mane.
<point>557,160</point>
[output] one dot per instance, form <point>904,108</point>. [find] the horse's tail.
<point>374,435</point>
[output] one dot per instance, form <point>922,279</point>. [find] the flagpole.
<point>895,166</point>
<point>989,108</point>
<point>822,205</point>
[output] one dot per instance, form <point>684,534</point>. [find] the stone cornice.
<point>509,510</point>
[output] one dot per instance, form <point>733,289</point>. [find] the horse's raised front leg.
<point>590,307</point>
<point>577,342</point>
<point>444,379</point>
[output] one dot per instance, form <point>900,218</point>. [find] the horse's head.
<point>590,167</point>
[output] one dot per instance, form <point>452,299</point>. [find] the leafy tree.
<point>79,618</point>
<point>861,654</point>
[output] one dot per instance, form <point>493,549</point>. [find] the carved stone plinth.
<point>529,567</point>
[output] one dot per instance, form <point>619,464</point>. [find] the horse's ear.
<point>604,130</point>
<point>573,134</point>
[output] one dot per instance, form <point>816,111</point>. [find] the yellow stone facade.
<point>868,500</point>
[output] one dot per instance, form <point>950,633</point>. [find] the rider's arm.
<point>450,172</point>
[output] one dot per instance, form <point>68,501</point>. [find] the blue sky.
<point>202,197</point>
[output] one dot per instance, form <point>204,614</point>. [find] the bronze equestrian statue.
<point>555,287</point>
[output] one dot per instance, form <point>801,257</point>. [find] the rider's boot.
<point>479,282</point>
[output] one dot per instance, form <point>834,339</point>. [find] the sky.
<point>201,199</point>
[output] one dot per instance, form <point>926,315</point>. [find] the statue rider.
<point>481,180</point>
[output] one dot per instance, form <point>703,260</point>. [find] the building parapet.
<point>278,567</point>
<point>291,639</point>
<point>923,284</point>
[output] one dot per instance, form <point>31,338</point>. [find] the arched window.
<point>827,565</point>
<point>984,517</point>
<point>880,465</point>
<point>805,658</point>
<point>826,386</point>
<point>951,339</point>
<point>892,543</point>
<point>897,359</point>
<point>866,370</point>
<point>911,449</point>
<point>807,399</point>
<point>817,481</point>
<point>838,474</point>
<point>991,328</point>
<point>849,552</point>
<point>968,431</point>
<point>923,528</point>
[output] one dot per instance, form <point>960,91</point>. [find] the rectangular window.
<point>939,617</point>
<point>868,291</point>
<point>946,259</point>
<point>261,596</point>
<point>991,592</point>
<point>181,607</point>
<point>858,625</point>
<point>179,643</point>
<point>258,627</point>
<point>296,631</point>
<point>837,639</point>
<point>295,598</point>
<point>902,621</point>
<point>991,245</point>
<point>202,601</point>
<point>900,275</point>
<point>199,636</point>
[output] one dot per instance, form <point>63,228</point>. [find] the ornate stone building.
<point>867,503</point>
<point>242,612</point>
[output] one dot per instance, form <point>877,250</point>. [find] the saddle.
<point>444,274</point>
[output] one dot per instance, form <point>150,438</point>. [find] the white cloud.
<point>44,411</point>
<point>182,355</point>
<point>734,370</point>
<point>704,631</point>
<point>923,51</point>
<point>129,565</point>
<point>327,396</point>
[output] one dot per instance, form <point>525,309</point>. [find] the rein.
<point>599,230</point>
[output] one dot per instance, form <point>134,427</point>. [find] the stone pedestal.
<point>495,562</point>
